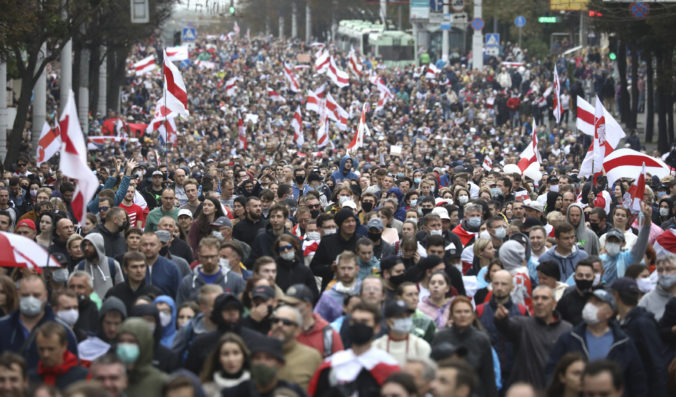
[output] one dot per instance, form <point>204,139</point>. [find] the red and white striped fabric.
<point>145,65</point>
<point>167,129</point>
<point>322,60</point>
<point>487,164</point>
<point>19,251</point>
<point>634,195</point>
<point>323,130</point>
<point>290,78</point>
<point>48,144</point>
<point>241,130</point>
<point>73,161</point>
<point>102,139</point>
<point>337,76</point>
<point>622,163</point>
<point>585,122</point>
<point>354,63</point>
<point>274,96</point>
<point>530,157</point>
<point>205,64</point>
<point>558,108</point>
<point>178,53</point>
<point>175,94</point>
<point>362,130</point>
<point>231,86</point>
<point>297,124</point>
<point>432,72</point>
<point>235,28</point>
<point>382,100</point>
<point>665,243</point>
<point>605,140</point>
<point>336,112</point>
<point>314,99</point>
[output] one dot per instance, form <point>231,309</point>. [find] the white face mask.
<point>414,220</point>
<point>329,232</point>
<point>597,280</point>
<point>438,232</point>
<point>664,211</point>
<point>554,188</point>
<point>402,325</point>
<point>68,316</point>
<point>288,255</point>
<point>312,236</point>
<point>613,249</point>
<point>224,263</point>
<point>590,314</point>
<point>217,234</point>
<point>645,285</point>
<point>500,233</point>
<point>165,319</point>
<point>463,199</point>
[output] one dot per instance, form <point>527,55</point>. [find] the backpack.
<point>480,309</point>
<point>327,335</point>
<point>112,269</point>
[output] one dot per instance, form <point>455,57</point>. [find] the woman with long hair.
<point>567,377</point>
<point>45,227</point>
<point>206,213</point>
<point>238,209</point>
<point>621,219</point>
<point>290,267</point>
<point>437,304</point>
<point>8,296</point>
<point>484,253</point>
<point>227,366</point>
<point>484,281</point>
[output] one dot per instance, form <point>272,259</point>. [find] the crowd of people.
<point>405,267</point>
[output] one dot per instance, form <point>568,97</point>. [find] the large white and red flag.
<point>290,78</point>
<point>487,164</point>
<point>558,108</point>
<point>48,144</point>
<point>297,124</point>
<point>362,130</point>
<point>322,60</point>
<point>354,62</point>
<point>432,71</point>
<point>145,65</point>
<point>339,77</point>
<point>606,137</point>
<point>274,96</point>
<point>530,160</point>
<point>634,195</point>
<point>585,122</point>
<point>178,53</point>
<point>175,95</point>
<point>241,130</point>
<point>313,102</point>
<point>73,161</point>
<point>625,162</point>
<point>336,112</point>
<point>323,130</point>
<point>231,86</point>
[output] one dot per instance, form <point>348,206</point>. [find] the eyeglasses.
<point>315,206</point>
<point>104,208</point>
<point>286,322</point>
<point>286,248</point>
<point>21,164</point>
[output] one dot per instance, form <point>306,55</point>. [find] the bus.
<point>370,40</point>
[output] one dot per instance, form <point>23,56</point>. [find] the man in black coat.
<point>332,245</point>
<point>247,229</point>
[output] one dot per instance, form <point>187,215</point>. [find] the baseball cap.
<point>184,211</point>
<point>350,203</point>
<point>26,222</point>
<point>442,212</point>
<point>376,223</point>
<point>221,221</point>
<point>395,308</point>
<point>531,222</point>
<point>605,296</point>
<point>158,173</point>
<point>626,286</point>
<point>263,291</point>
<point>298,293</point>
<point>614,232</point>
<point>534,205</point>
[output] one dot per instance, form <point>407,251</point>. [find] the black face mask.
<point>367,206</point>
<point>314,214</point>
<point>360,334</point>
<point>300,179</point>
<point>375,237</point>
<point>426,211</point>
<point>396,280</point>
<point>584,285</point>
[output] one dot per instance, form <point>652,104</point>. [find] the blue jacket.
<point>13,337</point>
<point>341,174</point>
<point>622,351</point>
<point>614,267</point>
<point>93,205</point>
<point>400,214</point>
<point>330,304</point>
<point>566,264</point>
<point>168,332</point>
<point>165,276</point>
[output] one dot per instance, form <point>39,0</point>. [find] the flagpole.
<point>166,131</point>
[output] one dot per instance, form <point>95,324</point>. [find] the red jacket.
<point>314,337</point>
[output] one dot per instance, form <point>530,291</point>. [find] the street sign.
<point>492,39</point>
<point>189,34</point>
<point>436,5</point>
<point>548,19</point>
<point>458,5</point>
<point>639,9</point>
<point>446,24</point>
<point>492,51</point>
<point>459,20</point>
<point>477,23</point>
<point>520,21</point>
<point>420,9</point>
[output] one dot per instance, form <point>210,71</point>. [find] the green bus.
<point>394,47</point>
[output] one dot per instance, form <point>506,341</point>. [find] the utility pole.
<point>294,19</point>
<point>308,22</point>
<point>83,91</point>
<point>383,12</point>
<point>477,41</point>
<point>444,34</point>
<point>3,110</point>
<point>103,81</point>
<point>40,100</point>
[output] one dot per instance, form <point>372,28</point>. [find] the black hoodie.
<point>163,358</point>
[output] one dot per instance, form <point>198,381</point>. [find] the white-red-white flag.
<point>231,86</point>
<point>362,130</point>
<point>243,144</point>
<point>626,162</point>
<point>337,76</point>
<point>558,108</point>
<point>235,28</point>
<point>145,65</point>
<point>178,53</point>
<point>323,130</point>
<point>606,138</point>
<point>585,122</point>
<point>274,96</point>
<point>354,62</point>
<point>530,160</point>
<point>322,60</point>
<point>290,78</point>
<point>634,196</point>
<point>336,112</point>
<point>314,99</point>
<point>297,124</point>
<point>48,144</point>
<point>432,71</point>
<point>175,94</point>
<point>487,164</point>
<point>73,161</point>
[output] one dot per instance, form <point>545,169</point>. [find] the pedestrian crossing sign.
<point>492,39</point>
<point>189,34</point>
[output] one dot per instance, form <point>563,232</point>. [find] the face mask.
<point>644,284</point>
<point>612,249</point>
<point>402,325</point>
<point>664,211</point>
<point>597,280</point>
<point>314,213</point>
<point>436,232</point>
<point>496,192</point>
<point>30,306</point>
<point>312,236</point>
<point>414,220</point>
<point>500,233</point>
<point>426,211</point>
<point>474,222</point>
<point>217,234</point>
<point>359,333</point>
<point>666,281</point>
<point>127,352</point>
<point>68,316</point>
<point>463,199</point>
<point>343,199</point>
<point>288,256</point>
<point>300,180</point>
<point>60,275</point>
<point>34,193</point>
<point>414,202</point>
<point>165,319</point>
<point>417,180</point>
<point>374,236</point>
<point>590,314</point>
<point>584,285</point>
<point>224,263</point>
<point>396,280</point>
<point>554,188</point>
<point>367,206</point>
<point>328,232</point>
<point>262,374</point>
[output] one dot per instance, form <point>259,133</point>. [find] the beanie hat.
<point>512,254</point>
<point>342,215</point>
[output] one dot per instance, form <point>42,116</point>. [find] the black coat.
<point>246,230</point>
<point>123,292</point>
<point>571,304</point>
<point>329,248</point>
<point>74,374</point>
<point>204,344</point>
<point>180,248</point>
<point>248,389</point>
<point>290,273</point>
<point>87,321</point>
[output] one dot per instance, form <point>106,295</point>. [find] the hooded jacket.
<point>341,174</point>
<point>164,358</point>
<point>115,244</point>
<point>330,305</point>
<point>99,269</point>
<point>586,238</point>
<point>168,331</point>
<point>400,213</point>
<point>144,379</point>
<point>566,263</point>
<point>97,345</point>
<point>190,285</point>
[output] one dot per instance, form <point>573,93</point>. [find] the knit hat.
<point>271,346</point>
<point>512,254</point>
<point>549,268</point>
<point>342,215</point>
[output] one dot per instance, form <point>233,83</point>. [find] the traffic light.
<point>593,13</point>
<point>232,10</point>
<point>612,56</point>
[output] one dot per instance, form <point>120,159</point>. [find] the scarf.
<point>223,381</point>
<point>49,374</point>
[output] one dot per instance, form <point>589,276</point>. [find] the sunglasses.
<point>21,164</point>
<point>104,208</point>
<point>315,207</point>
<point>285,248</point>
<point>288,323</point>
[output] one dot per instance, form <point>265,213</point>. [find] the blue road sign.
<point>477,23</point>
<point>436,5</point>
<point>446,24</point>
<point>189,34</point>
<point>520,21</point>
<point>639,9</point>
<point>492,39</point>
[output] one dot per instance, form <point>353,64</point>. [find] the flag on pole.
<point>337,76</point>
<point>558,108</point>
<point>290,78</point>
<point>626,162</point>
<point>73,161</point>
<point>607,135</point>
<point>178,53</point>
<point>323,131</point>
<point>274,96</point>
<point>355,63</point>
<point>297,124</point>
<point>145,65</point>
<point>231,86</point>
<point>585,122</point>
<point>530,160</point>
<point>362,130</point>
<point>243,144</point>
<point>634,196</point>
<point>599,141</point>
<point>175,95</point>
<point>235,28</point>
<point>487,164</point>
<point>321,61</point>
<point>432,72</point>
<point>48,144</point>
